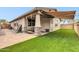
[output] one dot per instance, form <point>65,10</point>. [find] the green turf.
<point>58,41</point>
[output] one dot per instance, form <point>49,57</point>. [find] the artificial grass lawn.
<point>58,41</point>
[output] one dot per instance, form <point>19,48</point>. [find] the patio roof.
<point>58,14</point>
<point>64,14</point>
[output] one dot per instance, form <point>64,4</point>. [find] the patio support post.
<point>38,24</point>
<point>23,24</point>
<point>51,25</point>
<point>26,24</point>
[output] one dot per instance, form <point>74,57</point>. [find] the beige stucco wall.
<point>56,21</point>
<point>12,24</point>
<point>50,23</point>
<point>22,22</point>
<point>19,22</point>
<point>45,23</point>
<point>76,28</point>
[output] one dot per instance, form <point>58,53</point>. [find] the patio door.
<point>31,24</point>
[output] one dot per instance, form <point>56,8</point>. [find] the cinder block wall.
<point>76,28</point>
<point>67,26</point>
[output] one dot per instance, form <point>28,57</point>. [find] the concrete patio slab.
<point>11,38</point>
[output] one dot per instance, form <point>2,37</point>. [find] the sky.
<point>10,13</point>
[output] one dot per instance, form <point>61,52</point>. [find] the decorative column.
<point>51,25</point>
<point>38,24</point>
<point>23,24</point>
<point>26,24</point>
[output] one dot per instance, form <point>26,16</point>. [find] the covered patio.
<point>42,20</point>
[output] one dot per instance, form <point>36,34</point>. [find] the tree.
<point>4,23</point>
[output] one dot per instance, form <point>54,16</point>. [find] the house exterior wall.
<point>22,22</point>
<point>45,23</point>
<point>12,25</point>
<point>52,24</point>
<point>56,24</point>
<point>19,22</point>
<point>42,22</point>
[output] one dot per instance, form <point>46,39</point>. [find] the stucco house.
<point>42,19</point>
